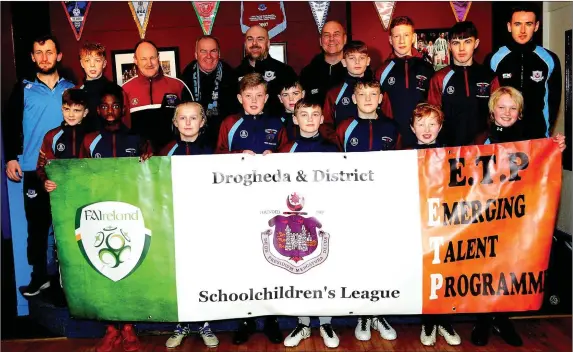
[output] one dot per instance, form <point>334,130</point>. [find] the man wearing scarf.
<point>213,84</point>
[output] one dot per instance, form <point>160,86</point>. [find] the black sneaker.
<point>34,287</point>
<point>246,328</point>
<point>503,327</point>
<point>480,333</point>
<point>272,330</point>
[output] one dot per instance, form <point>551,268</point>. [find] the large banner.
<point>194,238</point>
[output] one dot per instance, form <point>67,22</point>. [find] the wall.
<point>175,24</point>
<point>366,25</point>
<point>559,14</point>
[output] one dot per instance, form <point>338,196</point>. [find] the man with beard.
<point>213,83</point>
<point>258,60</point>
<point>152,96</point>
<point>34,108</point>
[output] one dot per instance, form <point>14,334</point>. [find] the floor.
<point>539,335</point>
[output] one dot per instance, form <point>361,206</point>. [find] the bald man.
<point>152,96</point>
<point>258,60</point>
<point>325,70</point>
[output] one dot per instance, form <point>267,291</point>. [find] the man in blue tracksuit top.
<point>531,69</point>
<point>34,108</point>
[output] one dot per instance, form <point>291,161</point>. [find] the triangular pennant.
<point>206,12</point>
<point>385,11</point>
<point>140,11</point>
<point>319,12</point>
<point>77,14</point>
<point>461,9</point>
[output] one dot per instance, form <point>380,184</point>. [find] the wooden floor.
<point>538,335</point>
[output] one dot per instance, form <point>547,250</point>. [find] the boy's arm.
<point>554,85</point>
<point>126,119</point>
<point>285,148</point>
<point>85,148</point>
<point>223,139</point>
<point>282,139</point>
<point>340,131</point>
<point>327,129</point>
<point>435,92</point>
<point>46,154</point>
<point>145,150</point>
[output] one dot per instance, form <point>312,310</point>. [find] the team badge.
<point>297,243</point>
<point>506,75</point>
<point>171,100</point>
<point>391,81</point>
<point>450,90</point>
<point>314,91</point>
<point>537,76</point>
<point>269,76</point>
<point>243,134</point>
<point>28,86</point>
<point>97,155</point>
<point>31,193</point>
<point>421,82</point>
<point>61,147</point>
<point>345,101</point>
<point>112,237</point>
<point>134,101</point>
<point>354,141</point>
<point>482,90</point>
<point>130,151</point>
<point>262,7</point>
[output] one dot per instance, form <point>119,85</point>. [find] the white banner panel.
<point>289,234</point>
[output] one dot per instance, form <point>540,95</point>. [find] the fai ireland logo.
<point>112,237</point>
<point>296,243</point>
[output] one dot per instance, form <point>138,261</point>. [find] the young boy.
<point>114,140</point>
<point>462,89</point>
<point>338,103</point>
<point>291,93</point>
<point>369,131</point>
<point>253,132</point>
<point>404,77</point>
<point>93,61</point>
<point>189,119</point>
<point>426,123</point>
<point>307,119</point>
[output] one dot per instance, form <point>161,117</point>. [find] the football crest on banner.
<point>206,12</point>
<point>269,15</point>
<point>297,243</point>
<point>319,11</point>
<point>112,237</point>
<point>77,14</point>
<point>140,11</point>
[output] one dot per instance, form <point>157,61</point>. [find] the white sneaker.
<point>428,335</point>
<point>299,333</point>
<point>178,336</point>
<point>207,335</point>
<point>386,331</point>
<point>362,331</point>
<point>329,336</point>
<point>449,334</point>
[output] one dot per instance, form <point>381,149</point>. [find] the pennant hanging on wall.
<point>270,15</point>
<point>140,11</point>
<point>461,9</point>
<point>206,12</point>
<point>319,12</point>
<point>77,14</point>
<point>385,11</point>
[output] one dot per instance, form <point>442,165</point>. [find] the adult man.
<point>213,83</point>
<point>462,89</point>
<point>152,96</point>
<point>532,69</point>
<point>34,108</point>
<point>325,70</point>
<point>257,59</point>
<point>404,77</point>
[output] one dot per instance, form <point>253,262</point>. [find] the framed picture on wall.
<point>124,69</point>
<point>433,43</point>
<point>278,51</point>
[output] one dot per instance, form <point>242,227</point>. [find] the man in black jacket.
<point>531,69</point>
<point>274,72</point>
<point>213,84</point>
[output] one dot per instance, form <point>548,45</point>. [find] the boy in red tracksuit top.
<point>253,132</point>
<point>404,78</point>
<point>338,104</point>
<point>308,118</point>
<point>64,142</point>
<point>114,140</point>
<point>189,119</point>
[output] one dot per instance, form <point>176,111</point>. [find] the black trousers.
<point>39,217</point>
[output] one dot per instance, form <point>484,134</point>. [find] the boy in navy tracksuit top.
<point>114,140</point>
<point>64,142</point>
<point>291,93</point>
<point>338,104</point>
<point>189,119</point>
<point>369,131</point>
<point>308,118</point>
<point>254,132</point>
<point>404,77</point>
